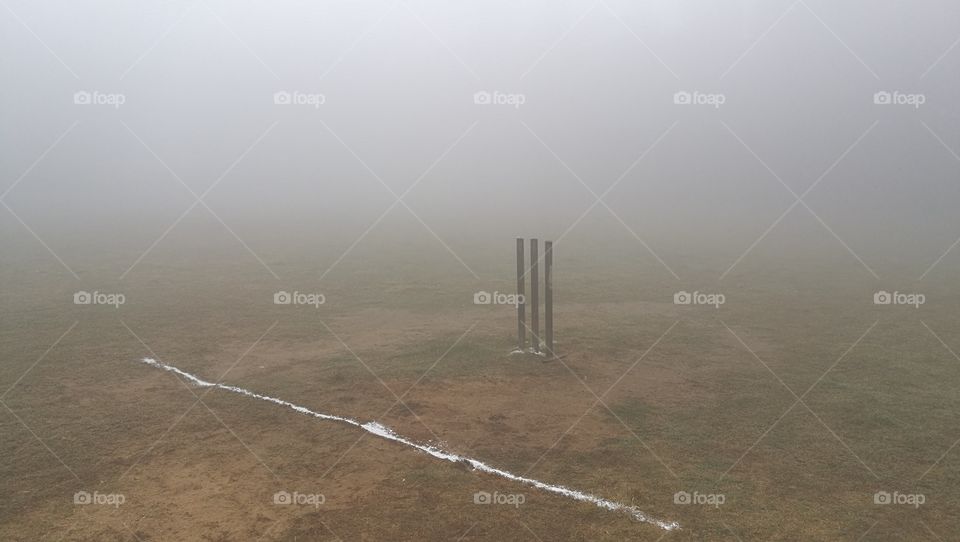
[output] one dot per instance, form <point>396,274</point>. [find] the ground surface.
<point>652,399</point>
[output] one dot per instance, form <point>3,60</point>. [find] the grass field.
<point>794,403</point>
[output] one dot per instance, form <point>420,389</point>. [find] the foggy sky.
<point>398,81</point>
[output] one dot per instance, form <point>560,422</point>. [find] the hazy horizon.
<point>594,93</point>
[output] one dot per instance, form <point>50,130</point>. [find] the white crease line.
<point>377,429</point>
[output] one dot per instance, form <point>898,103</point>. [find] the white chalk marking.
<point>377,429</point>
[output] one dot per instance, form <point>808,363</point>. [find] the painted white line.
<point>375,428</point>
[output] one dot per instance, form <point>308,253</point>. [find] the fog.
<point>583,105</point>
